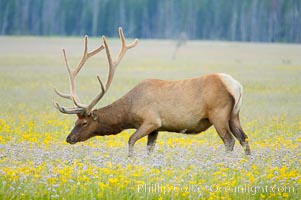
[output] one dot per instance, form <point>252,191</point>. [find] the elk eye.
<point>85,123</point>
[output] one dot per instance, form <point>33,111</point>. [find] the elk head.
<point>87,125</point>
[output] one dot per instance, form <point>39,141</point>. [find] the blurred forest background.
<point>234,20</point>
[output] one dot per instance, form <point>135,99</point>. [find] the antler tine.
<point>86,55</point>
<point>83,59</point>
<point>114,64</point>
<point>121,35</point>
<point>92,53</point>
<point>71,79</point>
<point>61,94</point>
<point>98,96</point>
<point>67,110</point>
<point>124,46</point>
<point>111,65</point>
<point>66,62</point>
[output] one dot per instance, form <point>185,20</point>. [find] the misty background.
<point>232,20</point>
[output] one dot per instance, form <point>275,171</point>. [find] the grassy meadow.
<point>37,163</point>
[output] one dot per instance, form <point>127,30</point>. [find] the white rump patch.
<point>235,88</point>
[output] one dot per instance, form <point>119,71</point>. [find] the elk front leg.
<point>151,141</point>
<point>144,130</point>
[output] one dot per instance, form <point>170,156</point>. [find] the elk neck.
<point>113,118</point>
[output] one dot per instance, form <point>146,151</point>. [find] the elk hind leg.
<point>238,132</point>
<point>222,128</point>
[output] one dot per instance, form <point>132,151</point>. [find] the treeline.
<point>239,20</point>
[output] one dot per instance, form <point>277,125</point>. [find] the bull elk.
<point>184,106</point>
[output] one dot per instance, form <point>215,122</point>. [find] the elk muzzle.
<point>71,140</point>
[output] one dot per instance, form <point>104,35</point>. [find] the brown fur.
<point>184,106</point>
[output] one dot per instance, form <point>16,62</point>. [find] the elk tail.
<point>238,102</point>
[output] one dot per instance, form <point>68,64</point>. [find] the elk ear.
<point>94,115</point>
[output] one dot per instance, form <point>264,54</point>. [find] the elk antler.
<point>114,64</point>
<point>82,108</point>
